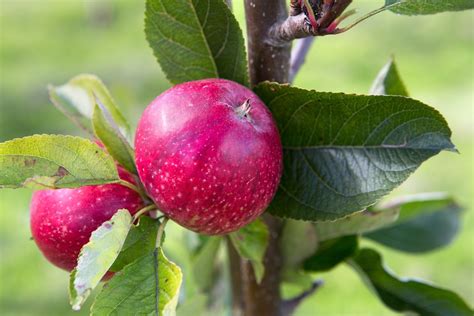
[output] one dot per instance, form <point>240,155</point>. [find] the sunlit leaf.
<point>97,256</point>
<point>77,99</point>
<point>54,161</point>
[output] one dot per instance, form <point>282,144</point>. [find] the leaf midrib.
<point>201,30</point>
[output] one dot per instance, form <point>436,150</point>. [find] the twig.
<point>289,306</point>
<point>298,56</point>
<point>291,28</point>
<point>300,25</point>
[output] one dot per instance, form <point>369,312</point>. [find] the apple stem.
<point>243,109</point>
<point>134,188</point>
<point>161,229</point>
<point>143,211</point>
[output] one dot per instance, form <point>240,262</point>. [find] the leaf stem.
<point>289,306</point>
<point>365,17</point>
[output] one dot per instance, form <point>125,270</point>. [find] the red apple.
<point>209,154</point>
<point>63,220</point>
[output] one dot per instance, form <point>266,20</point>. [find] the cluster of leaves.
<point>124,247</point>
<point>342,153</point>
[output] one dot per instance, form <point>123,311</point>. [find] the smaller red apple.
<point>63,220</point>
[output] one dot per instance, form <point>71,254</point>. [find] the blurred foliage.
<point>48,41</point>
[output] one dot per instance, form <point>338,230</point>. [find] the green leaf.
<point>54,161</point>
<point>148,286</point>
<point>356,224</point>
<point>426,222</point>
<point>204,262</point>
<point>388,81</point>
<point>195,39</point>
<point>140,241</point>
<point>404,295</point>
<point>330,253</point>
<point>97,256</point>
<point>298,241</point>
<point>107,131</point>
<point>251,243</point>
<point>418,7</point>
<point>77,99</point>
<point>343,152</point>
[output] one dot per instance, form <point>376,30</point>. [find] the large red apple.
<point>209,154</point>
<point>63,220</point>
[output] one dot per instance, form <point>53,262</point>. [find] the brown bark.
<point>235,278</point>
<point>267,61</point>
<point>264,299</point>
<point>270,31</point>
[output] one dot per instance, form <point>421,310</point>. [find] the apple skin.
<point>63,220</point>
<point>206,165</point>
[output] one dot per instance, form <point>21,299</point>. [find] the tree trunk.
<point>264,299</point>
<point>267,61</point>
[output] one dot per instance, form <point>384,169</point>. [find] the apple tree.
<point>286,180</point>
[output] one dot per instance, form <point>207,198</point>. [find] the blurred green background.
<point>49,41</point>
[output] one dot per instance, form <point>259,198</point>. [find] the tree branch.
<point>264,298</point>
<point>235,266</point>
<point>298,56</point>
<point>289,306</point>
<point>292,28</point>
